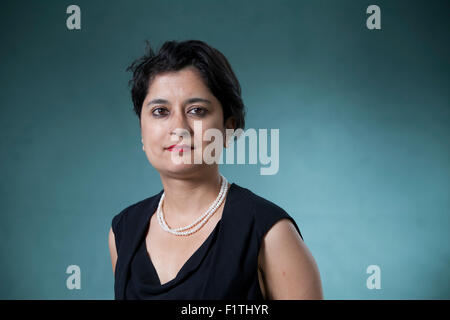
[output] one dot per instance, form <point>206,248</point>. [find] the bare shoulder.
<point>112,249</point>
<point>288,267</point>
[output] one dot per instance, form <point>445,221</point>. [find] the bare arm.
<point>112,249</point>
<point>289,270</point>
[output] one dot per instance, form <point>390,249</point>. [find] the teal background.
<point>363,118</point>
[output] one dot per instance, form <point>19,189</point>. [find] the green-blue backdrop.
<point>363,118</point>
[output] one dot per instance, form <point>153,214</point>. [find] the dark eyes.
<point>198,111</point>
<point>157,111</point>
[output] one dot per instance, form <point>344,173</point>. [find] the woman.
<point>200,237</point>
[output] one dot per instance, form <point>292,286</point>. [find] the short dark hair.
<point>214,68</point>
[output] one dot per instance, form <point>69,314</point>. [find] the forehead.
<point>183,82</point>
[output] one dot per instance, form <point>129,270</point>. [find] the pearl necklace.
<point>200,221</point>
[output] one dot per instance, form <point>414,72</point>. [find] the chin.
<point>181,168</point>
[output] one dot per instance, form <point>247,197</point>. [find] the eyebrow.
<point>188,101</point>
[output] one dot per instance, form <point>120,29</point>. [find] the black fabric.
<point>224,267</point>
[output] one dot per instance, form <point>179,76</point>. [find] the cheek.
<point>208,137</point>
<point>152,139</point>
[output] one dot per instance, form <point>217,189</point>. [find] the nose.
<point>179,126</point>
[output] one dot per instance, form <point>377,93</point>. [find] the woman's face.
<point>173,102</point>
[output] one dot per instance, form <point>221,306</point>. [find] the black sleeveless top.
<point>224,267</point>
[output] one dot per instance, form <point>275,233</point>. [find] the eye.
<point>157,111</point>
<point>199,111</point>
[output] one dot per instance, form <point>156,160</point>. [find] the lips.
<point>180,148</point>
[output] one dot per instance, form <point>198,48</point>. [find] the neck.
<point>187,198</point>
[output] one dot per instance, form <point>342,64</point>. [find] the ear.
<point>229,124</point>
